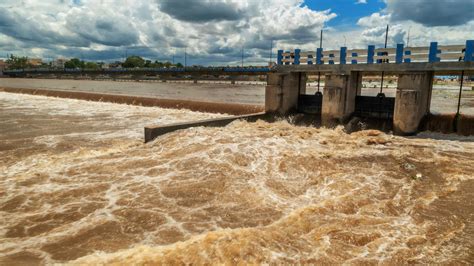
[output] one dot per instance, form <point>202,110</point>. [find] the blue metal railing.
<point>400,54</point>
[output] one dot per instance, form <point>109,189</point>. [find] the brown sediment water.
<point>78,186</point>
<point>212,107</point>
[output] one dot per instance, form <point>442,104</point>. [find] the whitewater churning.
<point>78,188</point>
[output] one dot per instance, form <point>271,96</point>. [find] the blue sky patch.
<point>348,11</point>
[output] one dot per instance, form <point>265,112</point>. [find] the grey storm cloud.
<point>107,31</point>
<point>432,12</point>
<point>30,31</point>
<point>200,11</point>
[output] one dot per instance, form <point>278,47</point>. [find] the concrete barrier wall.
<point>152,132</point>
<point>209,107</point>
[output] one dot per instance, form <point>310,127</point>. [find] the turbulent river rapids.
<point>79,186</point>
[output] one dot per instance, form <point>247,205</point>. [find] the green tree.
<point>167,64</point>
<point>74,63</point>
<point>148,63</point>
<point>16,62</point>
<point>134,61</point>
<point>91,65</point>
<point>179,65</point>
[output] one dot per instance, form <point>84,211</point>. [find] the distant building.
<point>35,61</point>
<point>58,63</point>
<point>116,64</point>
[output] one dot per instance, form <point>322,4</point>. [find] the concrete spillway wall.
<point>448,123</point>
<point>228,108</point>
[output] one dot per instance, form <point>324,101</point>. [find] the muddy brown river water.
<point>79,186</point>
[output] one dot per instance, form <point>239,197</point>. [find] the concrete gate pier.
<point>340,91</point>
<point>282,92</point>
<point>412,101</point>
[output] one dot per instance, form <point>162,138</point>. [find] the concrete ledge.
<point>208,107</point>
<point>152,132</point>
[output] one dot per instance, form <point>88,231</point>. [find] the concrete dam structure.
<point>341,98</point>
<point>415,68</point>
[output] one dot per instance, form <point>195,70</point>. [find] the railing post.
<point>399,56</point>
<point>331,59</point>
<point>469,53</point>
<point>433,53</point>
<point>370,54</point>
<point>379,61</point>
<point>342,56</point>
<point>287,57</point>
<point>319,56</point>
<point>354,61</point>
<point>407,60</point>
<point>280,57</point>
<point>296,60</point>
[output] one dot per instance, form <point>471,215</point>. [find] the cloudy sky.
<point>213,32</point>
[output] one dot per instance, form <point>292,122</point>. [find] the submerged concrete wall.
<point>152,132</point>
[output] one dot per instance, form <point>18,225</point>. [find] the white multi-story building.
<point>59,63</point>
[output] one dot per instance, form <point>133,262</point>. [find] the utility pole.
<point>242,56</point>
<point>408,37</point>
<point>185,57</point>
<point>271,51</point>
<point>321,39</point>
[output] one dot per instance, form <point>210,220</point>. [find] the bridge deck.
<point>230,71</point>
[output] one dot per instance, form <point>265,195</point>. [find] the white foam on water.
<point>248,192</point>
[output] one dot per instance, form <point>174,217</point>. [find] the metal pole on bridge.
<point>456,117</point>
<point>271,51</point>
<point>381,82</point>
<point>320,46</point>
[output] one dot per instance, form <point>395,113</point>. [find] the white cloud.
<point>361,2</point>
<point>107,29</point>
<point>212,30</point>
